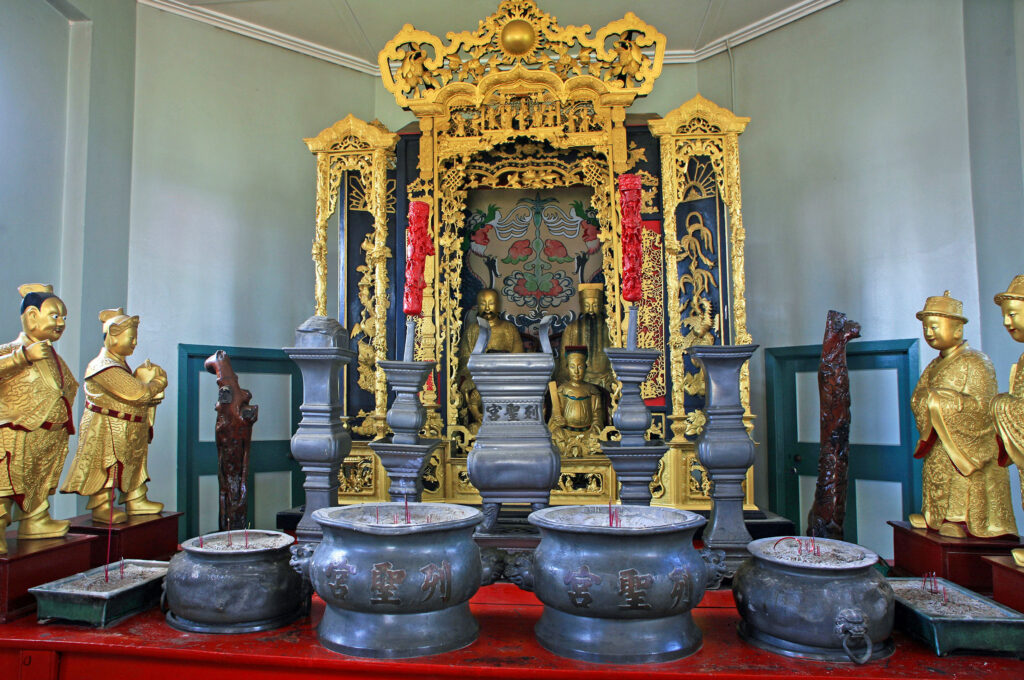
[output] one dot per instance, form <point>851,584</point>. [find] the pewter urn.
<point>513,459</point>
<point>619,588</point>
<point>223,586</point>
<point>396,585</point>
<point>832,606</point>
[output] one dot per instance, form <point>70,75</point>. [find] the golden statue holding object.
<point>117,425</point>
<point>965,489</point>
<point>577,408</point>
<point>589,330</point>
<point>1008,407</point>
<point>504,338</point>
<point>36,394</point>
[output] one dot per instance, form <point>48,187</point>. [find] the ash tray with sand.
<point>102,596</point>
<point>950,618</point>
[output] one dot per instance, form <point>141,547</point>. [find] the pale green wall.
<point>996,180</point>
<point>856,172</point>
<point>33,102</point>
<point>108,177</point>
<point>223,191</point>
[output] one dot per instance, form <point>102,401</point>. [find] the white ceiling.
<point>351,32</point>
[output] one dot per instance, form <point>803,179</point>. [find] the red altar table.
<point>144,647</point>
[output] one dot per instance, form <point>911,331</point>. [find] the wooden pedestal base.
<point>1007,582</point>
<point>142,537</point>
<point>919,551</point>
<point>31,563</point>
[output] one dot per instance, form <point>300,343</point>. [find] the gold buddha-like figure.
<point>590,330</point>
<point>116,426</point>
<point>577,408</point>
<point>1008,407</point>
<point>965,489</point>
<point>37,390</point>
<point>504,338</point>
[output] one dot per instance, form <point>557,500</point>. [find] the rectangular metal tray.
<point>99,609</point>
<point>946,634</point>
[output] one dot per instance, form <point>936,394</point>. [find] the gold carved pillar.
<point>700,129</point>
<point>368,151</point>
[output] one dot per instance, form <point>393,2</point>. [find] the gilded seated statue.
<point>504,338</point>
<point>116,427</point>
<point>590,330</point>
<point>965,489</point>
<point>36,394</point>
<point>1008,407</point>
<point>577,409</point>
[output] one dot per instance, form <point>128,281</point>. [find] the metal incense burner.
<point>233,582</point>
<point>618,583</point>
<point>396,578</point>
<point>822,601</point>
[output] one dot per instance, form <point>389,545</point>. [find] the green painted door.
<point>882,468</point>
<point>197,453</point>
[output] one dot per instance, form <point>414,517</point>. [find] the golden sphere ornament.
<point>517,37</point>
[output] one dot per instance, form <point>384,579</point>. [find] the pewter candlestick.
<point>725,449</point>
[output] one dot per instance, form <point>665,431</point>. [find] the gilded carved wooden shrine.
<point>523,131</point>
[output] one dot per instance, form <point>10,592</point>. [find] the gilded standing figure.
<point>116,426</point>
<point>36,394</point>
<point>965,489</point>
<point>1008,407</point>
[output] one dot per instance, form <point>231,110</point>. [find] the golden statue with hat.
<point>589,330</point>
<point>36,394</point>
<point>1008,407</point>
<point>966,492</point>
<point>117,425</point>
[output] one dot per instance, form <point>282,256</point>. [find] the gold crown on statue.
<point>1015,291</point>
<point>591,289</point>
<point>26,288</point>
<point>116,317</point>
<point>943,305</point>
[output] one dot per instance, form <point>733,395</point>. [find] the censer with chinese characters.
<point>610,577</point>
<point>396,578</point>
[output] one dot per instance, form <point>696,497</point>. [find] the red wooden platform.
<point>141,537</point>
<point>143,646</point>
<point>1007,582</point>
<point>28,563</point>
<point>919,551</point>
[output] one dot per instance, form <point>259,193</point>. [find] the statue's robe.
<point>35,422</point>
<point>114,433</point>
<point>1008,412</point>
<point>577,419</point>
<point>962,480</point>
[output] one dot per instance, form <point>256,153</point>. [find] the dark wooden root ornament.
<point>828,512</point>
<point>233,434</point>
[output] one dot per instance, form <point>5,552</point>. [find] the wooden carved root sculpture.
<point>828,512</point>
<point>233,434</point>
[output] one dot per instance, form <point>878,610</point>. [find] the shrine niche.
<point>522,133</point>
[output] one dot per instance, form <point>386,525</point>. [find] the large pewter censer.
<point>396,578</point>
<point>815,599</point>
<point>618,583</point>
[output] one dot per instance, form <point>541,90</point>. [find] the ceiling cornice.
<point>317,51</point>
<point>251,30</point>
